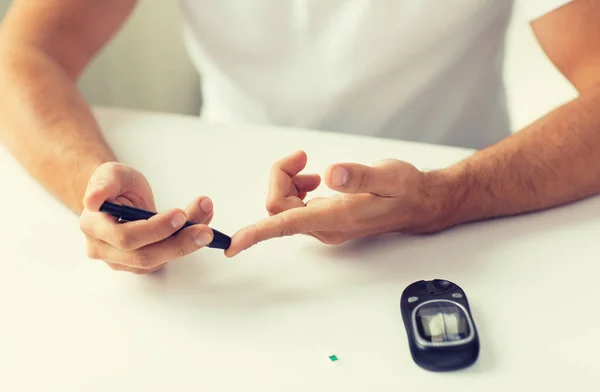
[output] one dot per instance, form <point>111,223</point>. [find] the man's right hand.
<point>141,246</point>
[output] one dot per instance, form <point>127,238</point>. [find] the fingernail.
<point>339,176</point>
<point>202,239</point>
<point>177,221</point>
<point>206,205</point>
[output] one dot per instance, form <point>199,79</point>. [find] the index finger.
<point>323,216</point>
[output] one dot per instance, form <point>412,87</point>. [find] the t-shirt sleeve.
<point>535,9</point>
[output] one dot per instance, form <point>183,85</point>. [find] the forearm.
<point>552,162</point>
<point>47,125</point>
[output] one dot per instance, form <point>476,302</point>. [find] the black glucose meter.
<point>439,325</point>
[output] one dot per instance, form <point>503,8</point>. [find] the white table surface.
<point>268,319</point>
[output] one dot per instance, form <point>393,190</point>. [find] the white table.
<point>267,320</point>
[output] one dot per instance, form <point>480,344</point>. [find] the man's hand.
<point>141,246</point>
<point>390,196</point>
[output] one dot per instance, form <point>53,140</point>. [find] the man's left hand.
<point>389,196</point>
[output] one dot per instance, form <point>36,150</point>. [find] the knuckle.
<point>86,222</point>
<point>338,240</point>
<point>273,207</point>
<point>140,271</point>
<point>180,250</point>
<point>143,260</point>
<point>331,239</point>
<point>92,251</point>
<point>115,267</point>
<point>83,225</point>
<point>124,241</point>
<point>158,268</point>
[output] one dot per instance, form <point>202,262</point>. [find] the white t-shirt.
<point>422,70</point>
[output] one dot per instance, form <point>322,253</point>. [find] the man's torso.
<point>423,70</point>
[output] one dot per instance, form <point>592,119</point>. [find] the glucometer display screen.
<point>440,322</point>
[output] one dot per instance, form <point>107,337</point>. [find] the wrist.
<point>442,195</point>
<point>82,180</point>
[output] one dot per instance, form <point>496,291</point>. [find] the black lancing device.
<point>441,332</point>
<point>128,214</point>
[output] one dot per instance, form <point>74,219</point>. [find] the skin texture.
<point>549,163</point>
<point>46,124</point>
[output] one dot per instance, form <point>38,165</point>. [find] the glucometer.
<point>127,214</point>
<point>439,325</point>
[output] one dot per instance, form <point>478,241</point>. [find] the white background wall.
<point>146,68</point>
<point>534,86</point>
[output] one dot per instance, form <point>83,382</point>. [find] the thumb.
<point>384,178</point>
<point>107,182</point>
